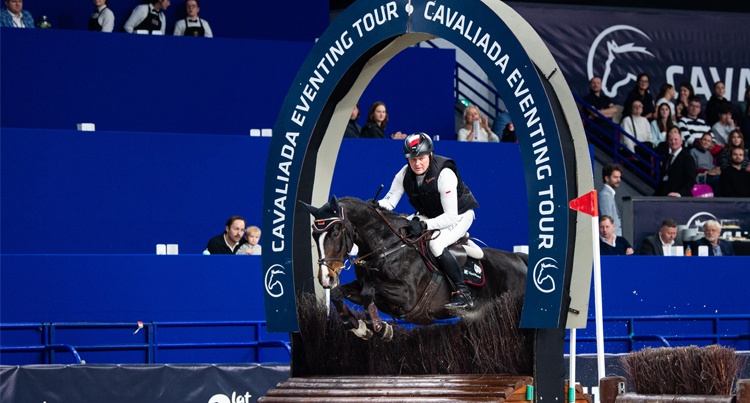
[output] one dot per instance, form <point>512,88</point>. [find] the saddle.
<point>468,255</point>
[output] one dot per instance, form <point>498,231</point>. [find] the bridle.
<point>323,225</point>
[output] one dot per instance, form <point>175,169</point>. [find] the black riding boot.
<point>461,298</point>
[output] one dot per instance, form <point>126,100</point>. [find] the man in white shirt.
<point>611,176</point>
<point>661,243</point>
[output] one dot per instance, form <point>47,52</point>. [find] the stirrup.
<point>459,300</point>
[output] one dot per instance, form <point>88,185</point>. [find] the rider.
<point>443,202</point>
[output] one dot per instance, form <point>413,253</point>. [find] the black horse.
<point>392,274</point>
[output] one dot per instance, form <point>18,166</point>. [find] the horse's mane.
<point>376,227</point>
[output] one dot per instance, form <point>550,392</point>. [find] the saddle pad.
<point>473,272</point>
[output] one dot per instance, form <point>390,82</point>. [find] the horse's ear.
<point>334,203</point>
<point>312,210</point>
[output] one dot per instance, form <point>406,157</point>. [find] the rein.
<point>404,241</point>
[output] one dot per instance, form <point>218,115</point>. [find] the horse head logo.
<point>543,280</point>
<point>274,287</point>
<point>616,73</point>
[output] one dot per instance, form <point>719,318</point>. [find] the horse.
<point>392,273</point>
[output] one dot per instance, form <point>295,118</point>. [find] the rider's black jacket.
<point>426,198</point>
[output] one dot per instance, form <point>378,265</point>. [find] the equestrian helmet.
<point>417,144</point>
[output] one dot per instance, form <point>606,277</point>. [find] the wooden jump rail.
<point>612,391</point>
<point>401,388</point>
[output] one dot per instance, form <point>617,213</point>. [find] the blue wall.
<point>172,85</point>
<point>280,19</point>
<point>73,192</point>
<point>129,288</point>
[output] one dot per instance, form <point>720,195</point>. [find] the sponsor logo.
<point>617,70</point>
<point>698,219</point>
<point>273,285</point>
<point>221,398</point>
<point>544,281</point>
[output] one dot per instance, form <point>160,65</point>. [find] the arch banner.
<point>311,123</point>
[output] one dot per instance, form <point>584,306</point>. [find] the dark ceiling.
<point>742,6</point>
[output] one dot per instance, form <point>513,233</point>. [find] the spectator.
<point>467,131</point>
<point>611,176</point>
<point>502,118</point>
<point>193,25</point>
<point>666,95</point>
<point>103,19</point>
<point>660,126</point>
<point>678,169</point>
<point>609,243</point>
<point>252,242</point>
<point>725,156</point>
<point>661,243</point>
<point>707,171</point>
<point>602,103</point>
<point>353,128</point>
<point>716,245</point>
<point>724,125</point>
<point>641,93</point>
<point>638,127</point>
<point>228,242</point>
<point>717,103</point>
<point>14,16</point>
<point>681,108</point>
<point>735,180</point>
<point>443,203</point>
<point>692,126</point>
<point>148,18</point>
<point>509,134</point>
<point>377,118</point>
<point>744,116</point>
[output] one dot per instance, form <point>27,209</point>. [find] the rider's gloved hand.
<point>373,203</point>
<point>416,227</point>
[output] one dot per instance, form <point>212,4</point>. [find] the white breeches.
<point>452,234</point>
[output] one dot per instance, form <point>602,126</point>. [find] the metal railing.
<point>48,333</point>
<point>716,336</point>
<point>607,136</point>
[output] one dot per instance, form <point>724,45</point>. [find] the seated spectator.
<point>377,118</point>
<point>468,131</point>
<point>103,19</point>
<point>641,93</point>
<point>725,156</point>
<point>148,18</point>
<point>685,93</point>
<point>638,127</point>
<point>711,238</point>
<point>678,169</point>
<point>509,134</point>
<point>353,128</point>
<point>252,239</point>
<point>666,95</point>
<point>230,241</point>
<point>717,103</point>
<point>704,161</point>
<point>14,16</point>
<point>609,243</point>
<point>193,25</point>
<point>735,180</point>
<point>601,102</point>
<point>661,243</point>
<point>743,116</point>
<point>725,125</point>
<point>660,126</point>
<point>692,126</point>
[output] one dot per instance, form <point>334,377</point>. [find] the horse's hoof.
<point>388,333</point>
<point>362,331</point>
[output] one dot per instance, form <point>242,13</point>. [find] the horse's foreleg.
<point>382,329</point>
<point>351,323</point>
